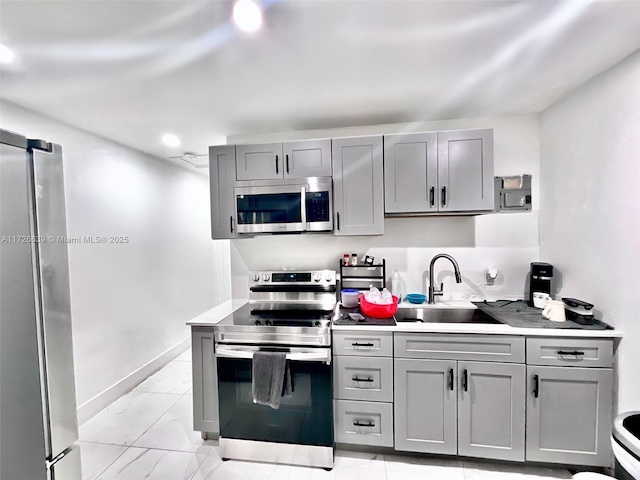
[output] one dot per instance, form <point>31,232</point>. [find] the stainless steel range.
<point>290,312</point>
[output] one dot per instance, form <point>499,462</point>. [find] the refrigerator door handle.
<point>53,303</point>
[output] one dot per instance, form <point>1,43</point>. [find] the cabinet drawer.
<point>363,378</point>
<point>364,423</point>
<point>490,348</point>
<point>369,344</point>
<point>567,352</point>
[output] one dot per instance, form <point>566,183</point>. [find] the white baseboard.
<point>111,394</point>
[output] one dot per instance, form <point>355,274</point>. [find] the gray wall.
<point>129,301</point>
<point>589,209</point>
<point>507,241</point>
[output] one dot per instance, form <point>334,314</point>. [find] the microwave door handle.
<point>303,208</point>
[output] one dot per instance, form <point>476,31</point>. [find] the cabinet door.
<point>205,382</point>
<point>259,162</point>
<point>410,173</point>
<point>358,194</point>
<point>222,176</point>
<point>425,406</point>
<point>465,170</point>
<point>569,415</point>
<point>491,410</point>
<point>309,158</point>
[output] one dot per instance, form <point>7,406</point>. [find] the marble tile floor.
<point>147,434</point>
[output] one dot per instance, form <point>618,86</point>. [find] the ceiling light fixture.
<point>170,140</point>
<point>6,54</point>
<point>247,15</point>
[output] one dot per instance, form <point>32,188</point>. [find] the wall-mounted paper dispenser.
<point>513,194</point>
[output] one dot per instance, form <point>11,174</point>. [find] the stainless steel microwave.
<point>284,206</point>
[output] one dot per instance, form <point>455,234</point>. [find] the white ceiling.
<point>131,71</point>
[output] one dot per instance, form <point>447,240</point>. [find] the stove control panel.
<point>293,278</point>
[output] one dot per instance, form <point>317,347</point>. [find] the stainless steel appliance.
<point>540,279</point>
<point>284,206</point>
<point>290,312</point>
<point>39,428</point>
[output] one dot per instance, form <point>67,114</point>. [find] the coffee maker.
<point>540,279</point>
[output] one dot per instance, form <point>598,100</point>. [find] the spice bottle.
<point>354,259</point>
<point>345,260</point>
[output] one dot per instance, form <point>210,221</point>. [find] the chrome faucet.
<point>433,292</point>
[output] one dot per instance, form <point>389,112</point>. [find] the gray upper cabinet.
<point>425,401</point>
<point>222,176</point>
<point>569,415</point>
<point>358,192</point>
<point>410,173</point>
<point>308,158</point>
<point>465,170</point>
<point>259,162</point>
<point>268,161</point>
<point>439,172</point>
<point>491,410</point>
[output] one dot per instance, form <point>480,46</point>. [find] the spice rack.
<point>361,276</point>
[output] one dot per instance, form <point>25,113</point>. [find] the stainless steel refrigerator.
<point>38,418</point>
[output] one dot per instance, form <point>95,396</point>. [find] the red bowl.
<point>378,311</point>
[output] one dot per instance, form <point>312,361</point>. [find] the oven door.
<point>271,209</point>
<point>305,418</point>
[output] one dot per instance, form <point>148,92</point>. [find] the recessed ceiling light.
<point>170,140</point>
<point>247,15</point>
<point>6,55</point>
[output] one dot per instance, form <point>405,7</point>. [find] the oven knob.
<point>318,324</point>
<point>317,277</point>
<point>256,277</point>
<point>328,277</point>
<point>258,322</point>
<point>268,322</point>
<point>265,277</point>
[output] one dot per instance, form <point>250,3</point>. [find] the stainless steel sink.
<point>444,315</point>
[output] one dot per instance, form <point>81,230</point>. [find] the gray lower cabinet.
<point>363,388</point>
<point>491,410</point>
<point>364,423</point>
<point>205,382</point>
<point>222,177</point>
<point>358,190</point>
<point>425,404</point>
<point>475,409</point>
<point>569,415</point>
<point>363,378</point>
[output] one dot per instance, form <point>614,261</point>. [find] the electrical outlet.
<point>490,275</point>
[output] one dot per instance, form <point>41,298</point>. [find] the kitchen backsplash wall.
<point>129,301</point>
<point>589,213</point>
<point>507,241</point>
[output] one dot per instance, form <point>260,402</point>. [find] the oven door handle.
<point>322,355</point>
